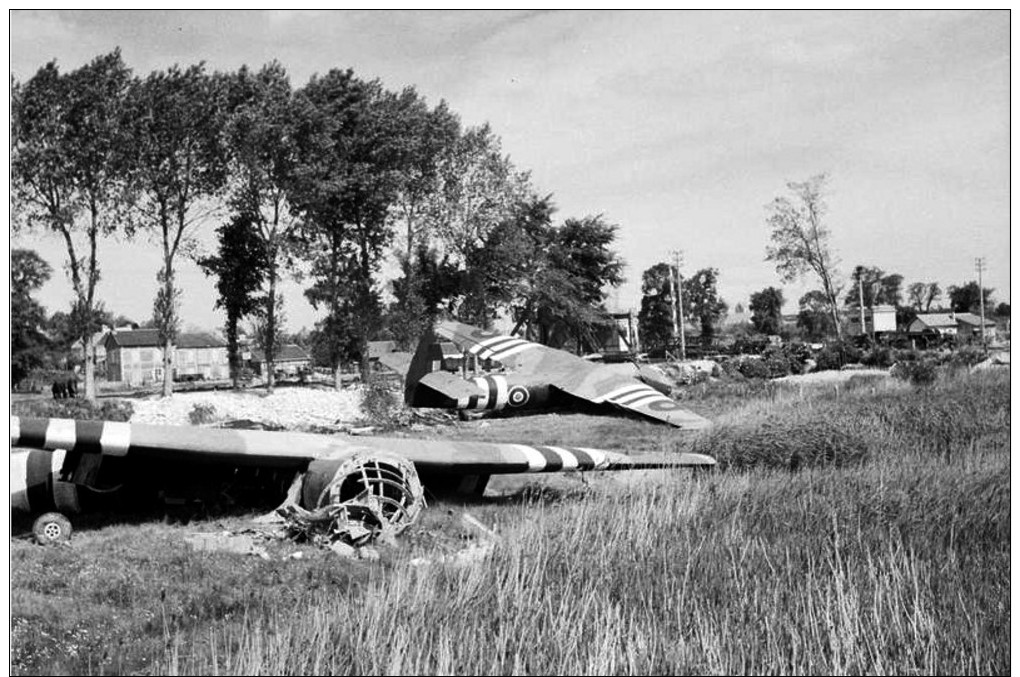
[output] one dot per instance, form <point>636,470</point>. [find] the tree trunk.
<point>338,380</point>
<point>269,340</point>
<point>233,356</point>
<point>365,363</point>
<point>89,349</point>
<point>168,372</point>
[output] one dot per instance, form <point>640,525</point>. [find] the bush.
<point>879,356</point>
<point>916,371</point>
<point>752,367</point>
<point>82,410</point>
<point>968,356</point>
<point>380,404</point>
<point>202,414</point>
<point>836,355</point>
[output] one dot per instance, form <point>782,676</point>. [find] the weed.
<point>202,413</point>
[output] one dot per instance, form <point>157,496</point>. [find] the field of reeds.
<point>860,529</point>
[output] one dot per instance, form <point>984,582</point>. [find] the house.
<point>965,326</point>
<point>878,320</point>
<point>291,359</point>
<point>135,356</point>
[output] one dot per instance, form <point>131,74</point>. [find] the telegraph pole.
<point>678,306</point>
<point>979,264</point>
<point>860,297</point>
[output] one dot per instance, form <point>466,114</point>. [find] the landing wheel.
<point>52,528</point>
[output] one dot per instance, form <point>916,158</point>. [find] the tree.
<point>967,298</point>
<point>701,301</point>
<point>814,317</point>
<point>178,169</point>
<point>565,282</point>
<point>350,140</point>
<point>432,281</point>
<point>655,318</point>
<point>800,239</point>
<point>431,140</point>
<point>238,268</point>
<point>767,310</point>
<point>262,158</point>
<point>69,171</point>
<point>1002,310</point>
<point>29,272</point>
<point>878,288</point>
<point>921,295</point>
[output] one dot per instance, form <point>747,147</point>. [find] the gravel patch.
<point>830,376</point>
<point>290,408</point>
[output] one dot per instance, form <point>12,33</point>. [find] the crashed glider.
<point>63,465</point>
<point>542,377</point>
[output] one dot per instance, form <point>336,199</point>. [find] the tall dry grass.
<point>885,550</point>
<point>892,557</point>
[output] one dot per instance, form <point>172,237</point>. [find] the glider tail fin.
<point>423,363</point>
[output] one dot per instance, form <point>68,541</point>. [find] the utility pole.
<point>678,305</point>
<point>979,263</point>
<point>860,297</point>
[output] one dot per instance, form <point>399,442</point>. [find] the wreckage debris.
<point>358,499</point>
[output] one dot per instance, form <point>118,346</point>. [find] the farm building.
<point>290,359</point>
<point>945,325</point>
<point>135,356</point>
<point>877,320</point>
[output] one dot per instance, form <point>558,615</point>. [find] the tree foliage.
<point>69,171</point>
<point>921,295</point>
<point>702,303</point>
<point>238,267</point>
<point>800,240</point>
<point>967,298</point>
<point>29,272</point>
<point>178,170</point>
<point>814,318</point>
<point>655,318</point>
<point>767,310</point>
<point>878,287</point>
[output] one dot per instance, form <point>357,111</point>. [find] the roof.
<point>946,320</point>
<point>287,353</point>
<point>149,338</point>
<point>377,348</point>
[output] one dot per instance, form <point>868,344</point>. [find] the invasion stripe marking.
<point>644,401</point>
<point>501,391</point>
<point>60,434</point>
<point>620,391</point>
<point>116,438</point>
<point>553,460</point>
<point>493,390</point>
<point>88,435</point>
<point>584,460</point>
<point>32,432</point>
<point>503,354</point>
<point>37,479</point>
<point>568,459</point>
<point>15,430</point>
<point>536,460</point>
<point>599,458</point>
<point>19,479</point>
<point>631,397</point>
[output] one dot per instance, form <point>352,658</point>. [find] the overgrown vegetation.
<point>885,551</point>
<point>82,410</point>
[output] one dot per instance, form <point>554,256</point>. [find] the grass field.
<point>859,530</point>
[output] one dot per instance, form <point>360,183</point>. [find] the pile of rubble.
<point>286,408</point>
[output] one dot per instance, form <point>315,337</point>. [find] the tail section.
<point>428,358</point>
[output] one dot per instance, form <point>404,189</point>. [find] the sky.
<point>678,126</point>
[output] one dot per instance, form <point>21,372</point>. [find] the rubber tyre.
<point>52,528</point>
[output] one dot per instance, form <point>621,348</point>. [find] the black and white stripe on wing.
<point>500,347</point>
<point>633,395</point>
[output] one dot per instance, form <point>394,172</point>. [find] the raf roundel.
<point>518,396</point>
